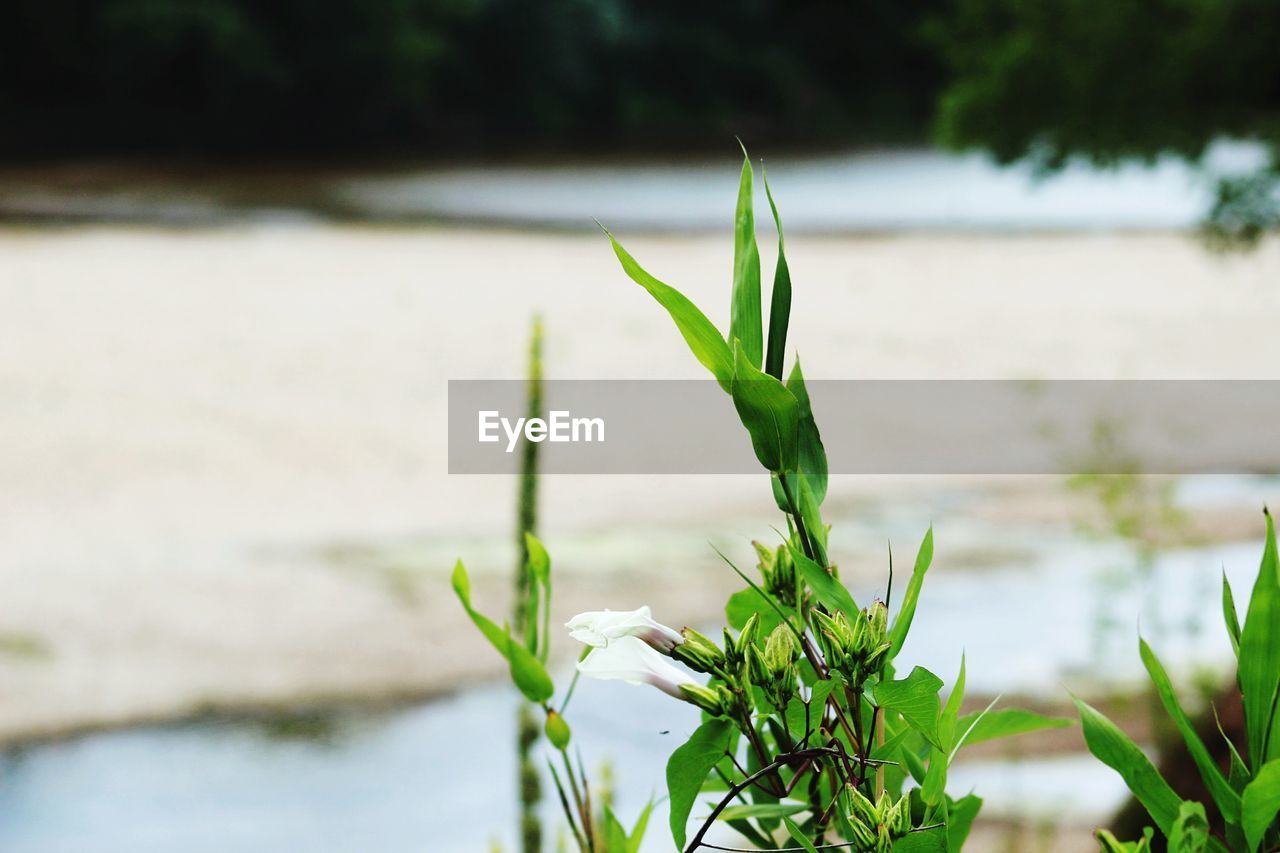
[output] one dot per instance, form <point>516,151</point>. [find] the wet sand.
<point>223,451</point>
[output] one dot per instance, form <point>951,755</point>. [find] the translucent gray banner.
<point>879,427</point>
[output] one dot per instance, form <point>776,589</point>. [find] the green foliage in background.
<point>237,76</point>
<point>1109,81</point>
<point>1246,794</point>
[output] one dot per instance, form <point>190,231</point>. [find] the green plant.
<point>1247,794</point>
<point>809,733</point>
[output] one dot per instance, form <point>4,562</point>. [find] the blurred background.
<point>244,246</point>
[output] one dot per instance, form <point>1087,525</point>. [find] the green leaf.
<point>1227,800</point>
<point>948,732</point>
<point>1111,844</point>
<point>539,640</point>
<point>960,816</point>
<point>812,461</point>
<point>915,765</point>
<point>1190,833</point>
<point>614,833</point>
<point>817,701</point>
<point>637,832</point>
<point>902,622</point>
<point>935,778</point>
<point>1230,616</point>
<point>769,412</point>
<point>539,559</point>
<point>1006,722</point>
<point>699,333</point>
<point>1261,803</point>
<point>826,587</point>
<point>780,301</point>
<point>799,837</point>
<point>1260,656</point>
<point>1114,748</point>
<point>462,587</point>
<point>923,841</point>
<point>688,767</point>
<point>744,604</point>
<point>758,810</point>
<point>744,312</point>
<point>527,671</point>
<point>916,699</point>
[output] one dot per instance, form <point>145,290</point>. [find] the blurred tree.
<point>1050,79</point>
<point>229,74</point>
<point>238,76</point>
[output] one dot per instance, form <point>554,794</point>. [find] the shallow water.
<point>850,191</point>
<point>437,776</point>
<point>860,191</point>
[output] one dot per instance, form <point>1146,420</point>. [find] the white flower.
<point>631,660</point>
<point>599,628</point>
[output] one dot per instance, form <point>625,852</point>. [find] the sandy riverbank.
<point>223,450</point>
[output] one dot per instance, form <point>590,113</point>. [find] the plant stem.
<point>524,617</point>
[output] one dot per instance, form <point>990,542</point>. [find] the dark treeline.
<point>263,77</point>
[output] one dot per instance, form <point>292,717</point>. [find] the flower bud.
<point>557,730</point>
<point>878,620</point>
<point>864,810</point>
<point>780,650</point>
<point>698,652</point>
<point>716,701</point>
<point>750,631</point>
<point>773,670</point>
<point>863,835</point>
<point>768,557</point>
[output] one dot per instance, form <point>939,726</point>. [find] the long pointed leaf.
<point>1230,616</point>
<point>745,312</point>
<point>780,300</point>
<point>769,412</point>
<point>1114,748</point>
<point>902,623</point>
<point>527,671</point>
<point>799,837</point>
<point>1005,723</point>
<point>1227,800</point>
<point>812,461</point>
<point>1260,656</point>
<point>827,588</point>
<point>699,333</point>
<point>1261,803</point>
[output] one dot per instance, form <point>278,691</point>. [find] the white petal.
<point>600,627</point>
<point>630,659</point>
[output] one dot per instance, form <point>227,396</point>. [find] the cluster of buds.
<point>877,826</point>
<point>735,650</point>
<point>716,699</point>
<point>700,654</point>
<point>774,669</point>
<point>856,648</point>
<point>778,571</point>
